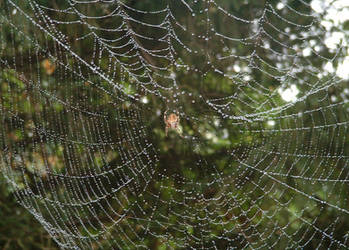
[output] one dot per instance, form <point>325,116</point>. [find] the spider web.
<point>85,84</point>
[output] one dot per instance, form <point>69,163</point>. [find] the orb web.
<point>84,87</point>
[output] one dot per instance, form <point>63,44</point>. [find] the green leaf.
<point>346,25</point>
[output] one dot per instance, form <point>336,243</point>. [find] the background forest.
<point>84,158</point>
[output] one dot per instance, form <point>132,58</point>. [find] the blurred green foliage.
<point>18,228</point>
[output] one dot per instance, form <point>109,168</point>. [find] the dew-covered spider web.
<point>87,89</point>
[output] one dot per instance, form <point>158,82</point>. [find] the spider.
<point>172,122</point>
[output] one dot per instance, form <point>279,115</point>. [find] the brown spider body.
<point>172,122</point>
